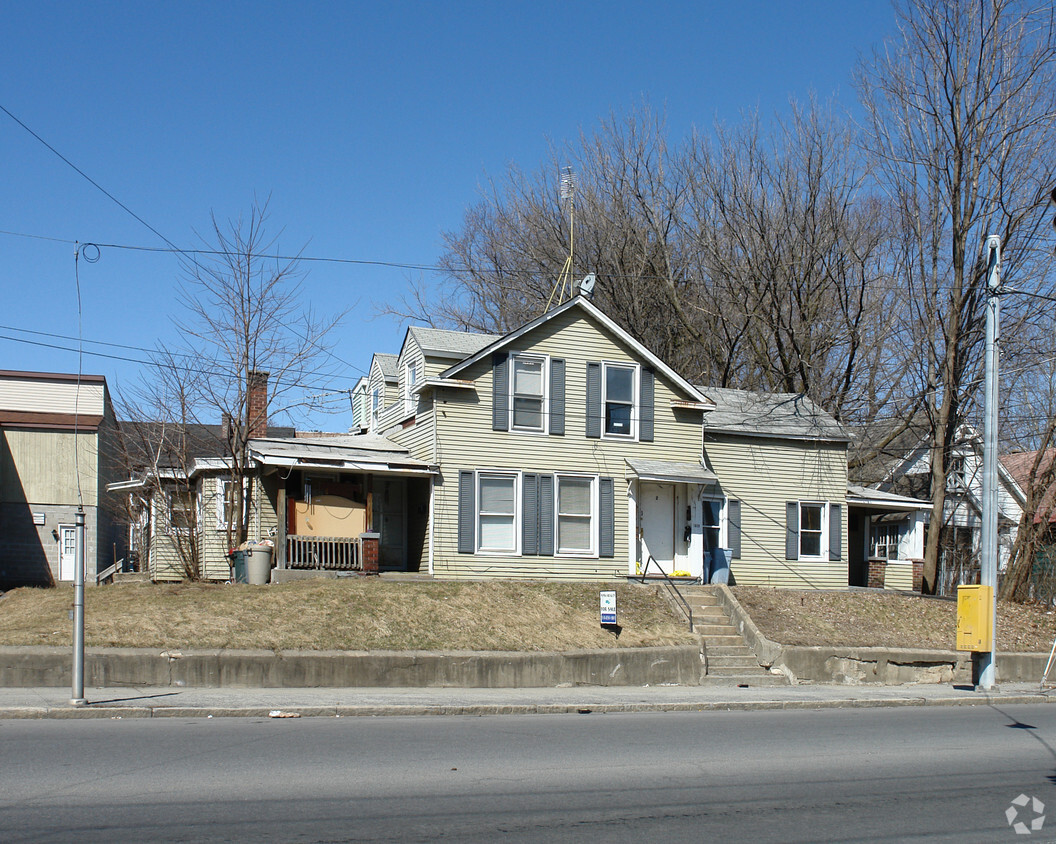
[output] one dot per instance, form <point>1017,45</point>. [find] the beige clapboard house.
<point>562,450</point>
<point>58,441</point>
<point>566,450</point>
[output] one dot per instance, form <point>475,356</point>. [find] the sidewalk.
<point>169,702</point>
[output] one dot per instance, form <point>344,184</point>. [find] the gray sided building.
<point>58,451</point>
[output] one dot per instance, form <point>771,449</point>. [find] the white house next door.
<point>67,551</point>
<point>656,523</point>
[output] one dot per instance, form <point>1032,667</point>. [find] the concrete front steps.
<point>730,662</point>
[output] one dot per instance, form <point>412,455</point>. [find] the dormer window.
<point>375,408</point>
<point>410,380</point>
<point>528,393</point>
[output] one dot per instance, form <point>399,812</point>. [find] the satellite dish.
<point>586,286</point>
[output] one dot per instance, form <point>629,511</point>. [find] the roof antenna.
<point>568,200</point>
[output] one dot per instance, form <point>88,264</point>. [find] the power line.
<point>86,176</point>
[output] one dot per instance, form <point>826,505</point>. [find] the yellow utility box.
<point>975,630</point>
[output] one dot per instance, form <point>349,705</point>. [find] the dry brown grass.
<point>352,614</point>
<point>876,619</point>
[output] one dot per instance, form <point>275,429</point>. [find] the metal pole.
<point>988,539</point>
<point>77,696</point>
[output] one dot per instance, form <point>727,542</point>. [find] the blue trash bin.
<point>720,565</point>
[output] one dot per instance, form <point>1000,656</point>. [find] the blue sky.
<point>371,126</point>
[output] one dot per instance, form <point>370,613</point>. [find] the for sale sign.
<point>608,607</point>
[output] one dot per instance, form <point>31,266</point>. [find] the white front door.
<point>67,551</point>
<point>656,525</point>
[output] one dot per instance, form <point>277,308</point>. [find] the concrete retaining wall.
<point>855,666</point>
<point>104,667</point>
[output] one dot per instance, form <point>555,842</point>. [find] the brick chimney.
<point>257,401</point>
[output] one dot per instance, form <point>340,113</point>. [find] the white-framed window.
<point>576,515</point>
<point>528,394</point>
<point>713,517</point>
<point>497,512</point>
<point>813,530</point>
<point>620,400</point>
<point>410,381</point>
<point>375,408</point>
<point>183,511</point>
<point>225,503</point>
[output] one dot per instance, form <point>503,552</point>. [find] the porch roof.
<point>352,453</point>
<point>670,471</point>
<point>860,496</point>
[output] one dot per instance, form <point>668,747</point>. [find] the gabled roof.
<point>784,415</point>
<point>456,345</point>
<point>598,316</point>
<point>388,365</point>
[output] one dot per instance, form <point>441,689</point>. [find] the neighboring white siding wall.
<point>763,475</point>
<point>44,396</point>
<point>467,442</point>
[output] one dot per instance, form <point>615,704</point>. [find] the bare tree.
<point>794,283</point>
<point>245,319</point>
<point>756,261</point>
<point>961,109</point>
<point>159,442</point>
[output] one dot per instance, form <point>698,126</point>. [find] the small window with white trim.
<point>619,399</point>
<point>528,393</point>
<point>375,408</point>
<point>576,515</point>
<point>813,530</point>
<point>183,511</point>
<point>712,518</point>
<point>410,381</point>
<point>497,512</point>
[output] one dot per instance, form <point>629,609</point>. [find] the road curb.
<point>68,712</point>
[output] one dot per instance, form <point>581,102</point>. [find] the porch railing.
<point>341,553</point>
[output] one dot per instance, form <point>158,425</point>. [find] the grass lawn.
<point>346,614</point>
<point>884,619</point>
<point>372,614</point>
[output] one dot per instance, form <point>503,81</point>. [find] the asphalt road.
<point>896,774</point>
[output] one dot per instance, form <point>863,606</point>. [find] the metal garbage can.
<point>238,566</point>
<point>258,564</point>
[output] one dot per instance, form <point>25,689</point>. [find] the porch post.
<point>280,520</point>
<point>632,526</point>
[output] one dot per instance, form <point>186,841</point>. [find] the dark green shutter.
<point>530,514</point>
<point>594,400</point>
<point>607,519</point>
<point>557,396</point>
<point>835,532</point>
<point>646,400</point>
<point>467,513</point>
<point>791,530</point>
<point>733,527</point>
<point>500,392</point>
<point>546,515</point>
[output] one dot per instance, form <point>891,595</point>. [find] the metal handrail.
<point>670,585</point>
